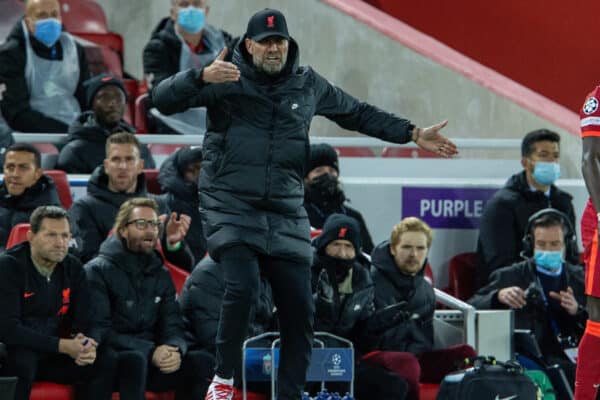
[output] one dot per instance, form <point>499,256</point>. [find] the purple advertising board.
<point>449,208</point>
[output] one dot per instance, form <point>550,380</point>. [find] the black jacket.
<point>504,219</point>
<point>257,147</point>
<point>85,148</point>
<point>34,311</point>
<point>534,315</point>
<point>15,101</point>
<point>18,209</point>
<point>162,53</point>
<point>317,218</point>
<point>201,300</point>
<point>414,333</point>
<point>94,215</point>
<point>182,197</point>
<point>134,305</point>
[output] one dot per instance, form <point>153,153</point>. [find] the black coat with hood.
<point>86,145</point>
<point>134,306</point>
<point>14,102</point>
<point>256,149</point>
<point>181,197</point>
<point>162,53</point>
<point>94,215</point>
<point>18,209</point>
<point>415,332</point>
<point>504,220</point>
<point>201,300</point>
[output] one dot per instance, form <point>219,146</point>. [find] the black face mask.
<point>326,192</point>
<point>336,267</point>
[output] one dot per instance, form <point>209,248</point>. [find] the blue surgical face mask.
<point>548,262</point>
<point>546,173</point>
<point>191,19</point>
<point>48,31</point>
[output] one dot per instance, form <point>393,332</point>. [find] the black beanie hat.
<point>322,154</point>
<point>339,227</point>
<point>93,85</point>
<point>186,156</point>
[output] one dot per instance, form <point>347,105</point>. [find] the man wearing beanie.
<point>344,293</point>
<point>106,100</point>
<point>178,179</point>
<point>260,107</point>
<point>323,194</point>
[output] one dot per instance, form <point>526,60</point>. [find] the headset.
<point>570,238</point>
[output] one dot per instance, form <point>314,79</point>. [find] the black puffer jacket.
<point>162,53</point>
<point>201,300</point>
<point>534,315</point>
<point>182,197</point>
<point>85,148</point>
<point>18,209</point>
<point>504,220</point>
<point>134,306</point>
<point>414,334</point>
<point>94,214</point>
<point>257,149</point>
<point>15,100</point>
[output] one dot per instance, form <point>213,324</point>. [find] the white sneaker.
<point>220,389</point>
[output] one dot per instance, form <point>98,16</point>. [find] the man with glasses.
<point>506,214</point>
<point>135,313</point>
<point>117,180</point>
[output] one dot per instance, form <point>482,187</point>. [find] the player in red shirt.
<point>588,363</point>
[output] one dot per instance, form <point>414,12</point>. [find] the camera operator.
<point>545,291</point>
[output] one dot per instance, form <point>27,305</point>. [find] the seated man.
<point>120,178</point>
<point>106,100</point>
<point>181,41</point>
<point>178,178</point>
<point>545,290</point>
<point>323,194</point>
<point>399,278</point>
<point>344,293</point>
<point>506,214</point>
<point>24,188</point>
<point>135,312</point>
<point>44,298</point>
<point>42,70</point>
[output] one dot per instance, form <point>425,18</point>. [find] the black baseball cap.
<point>265,23</point>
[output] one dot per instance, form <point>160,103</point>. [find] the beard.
<point>143,244</point>
<point>268,68</point>
<point>326,192</point>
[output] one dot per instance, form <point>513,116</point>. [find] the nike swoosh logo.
<point>505,398</point>
<point>28,294</point>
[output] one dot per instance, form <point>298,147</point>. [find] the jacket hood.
<point>115,250</point>
<point>383,261</point>
<point>85,127</point>
<point>243,60</point>
<point>98,188</point>
<point>165,31</point>
<point>171,181</point>
<point>518,183</point>
<point>43,192</point>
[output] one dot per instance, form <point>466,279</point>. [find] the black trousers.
<point>136,374</point>
<point>92,382</point>
<point>290,283</point>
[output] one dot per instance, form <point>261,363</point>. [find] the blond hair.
<point>410,224</point>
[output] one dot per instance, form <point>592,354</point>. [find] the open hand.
<point>432,140</point>
<point>221,71</point>
<point>177,227</point>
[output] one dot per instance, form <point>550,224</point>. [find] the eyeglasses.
<point>143,224</point>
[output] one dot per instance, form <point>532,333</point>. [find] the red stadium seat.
<point>461,275</point>
<point>18,234</point>
<point>152,184</point>
<point>428,391</point>
<point>83,16</point>
<point>354,152</point>
<point>179,275</point>
<point>164,149</point>
<point>111,40</point>
<point>429,273</point>
<point>131,87</point>
<point>407,152</point>
<point>141,118</point>
<point>51,391</point>
<point>315,232</point>
<point>62,186</point>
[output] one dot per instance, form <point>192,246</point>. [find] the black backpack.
<point>488,379</point>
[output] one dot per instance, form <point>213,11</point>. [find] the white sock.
<point>224,381</point>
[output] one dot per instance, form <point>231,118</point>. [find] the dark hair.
<point>538,135</point>
<point>547,221</point>
<point>28,148</point>
<point>43,212</point>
